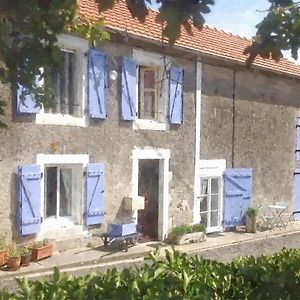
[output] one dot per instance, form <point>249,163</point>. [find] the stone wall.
<point>110,141</point>
<point>264,133</point>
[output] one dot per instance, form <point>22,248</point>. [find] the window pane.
<point>74,107</point>
<point>214,185</point>
<point>214,221</point>
<point>203,203</point>
<point>65,192</point>
<point>149,79</point>
<point>214,202</point>
<point>204,186</point>
<point>51,192</point>
<point>149,104</point>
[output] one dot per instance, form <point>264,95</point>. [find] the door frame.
<point>210,168</point>
<point>163,155</point>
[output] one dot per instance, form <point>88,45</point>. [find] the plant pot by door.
<point>251,224</point>
<point>13,264</point>
<point>25,260</point>
<point>3,258</point>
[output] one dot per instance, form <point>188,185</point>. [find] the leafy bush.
<point>176,277</point>
<point>2,243</point>
<point>184,229</point>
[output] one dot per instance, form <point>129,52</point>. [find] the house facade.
<point>187,128</point>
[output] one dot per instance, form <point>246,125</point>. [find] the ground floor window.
<point>63,191</point>
<point>210,202</point>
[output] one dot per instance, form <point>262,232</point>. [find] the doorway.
<point>150,176</point>
<point>148,187</point>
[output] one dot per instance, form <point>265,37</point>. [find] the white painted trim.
<point>48,228</point>
<point>163,207</point>
<point>196,208</point>
<point>80,46</point>
<point>149,125</point>
<point>150,59</point>
<point>210,168</point>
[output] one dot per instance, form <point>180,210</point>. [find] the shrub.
<point>176,277</point>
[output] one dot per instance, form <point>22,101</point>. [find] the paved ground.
<point>221,246</point>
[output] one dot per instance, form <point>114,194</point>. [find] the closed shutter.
<point>298,139</point>
<point>238,194</point>
<point>25,102</point>
<point>29,199</point>
<point>94,194</point>
<point>176,96</point>
<point>128,89</point>
<point>98,84</point>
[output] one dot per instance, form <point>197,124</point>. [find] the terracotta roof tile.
<point>208,41</point>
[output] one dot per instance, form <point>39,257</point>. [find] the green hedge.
<point>177,277</point>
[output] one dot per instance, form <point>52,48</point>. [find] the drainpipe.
<point>233,119</point>
<point>198,76</point>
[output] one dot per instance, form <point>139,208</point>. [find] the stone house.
<point>186,127</point>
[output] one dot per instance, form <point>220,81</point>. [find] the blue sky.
<point>237,16</point>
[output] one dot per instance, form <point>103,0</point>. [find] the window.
<point>148,94</point>
<point>210,202</point>
<point>69,85</point>
<point>64,86</point>
<point>63,192</point>
<point>152,90</point>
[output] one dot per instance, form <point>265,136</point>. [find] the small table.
<point>277,215</point>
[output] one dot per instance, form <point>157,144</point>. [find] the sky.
<point>237,16</point>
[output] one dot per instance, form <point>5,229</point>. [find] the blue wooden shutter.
<point>298,139</point>
<point>238,193</point>
<point>29,199</point>
<point>176,96</point>
<point>94,194</point>
<point>128,90</point>
<point>98,84</point>
<point>296,211</point>
<point>25,102</point>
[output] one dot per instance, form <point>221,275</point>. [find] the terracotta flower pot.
<point>25,260</point>
<point>13,264</point>
<point>41,252</point>
<point>3,258</point>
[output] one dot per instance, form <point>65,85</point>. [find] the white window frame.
<point>148,59</point>
<point>57,226</point>
<point>80,47</point>
<point>210,169</point>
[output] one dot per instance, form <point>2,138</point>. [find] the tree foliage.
<point>29,30</point>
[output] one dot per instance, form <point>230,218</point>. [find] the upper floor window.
<point>148,93</point>
<point>66,101</point>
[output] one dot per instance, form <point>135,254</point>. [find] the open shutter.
<point>94,194</point>
<point>298,139</point>
<point>128,90</point>
<point>98,84</point>
<point>296,211</point>
<point>25,102</point>
<point>238,193</point>
<point>29,199</point>
<point>176,96</point>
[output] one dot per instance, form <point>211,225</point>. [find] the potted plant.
<point>25,254</point>
<point>185,234</point>
<point>251,218</point>
<point>13,260</point>
<point>41,249</point>
<point>3,251</point>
